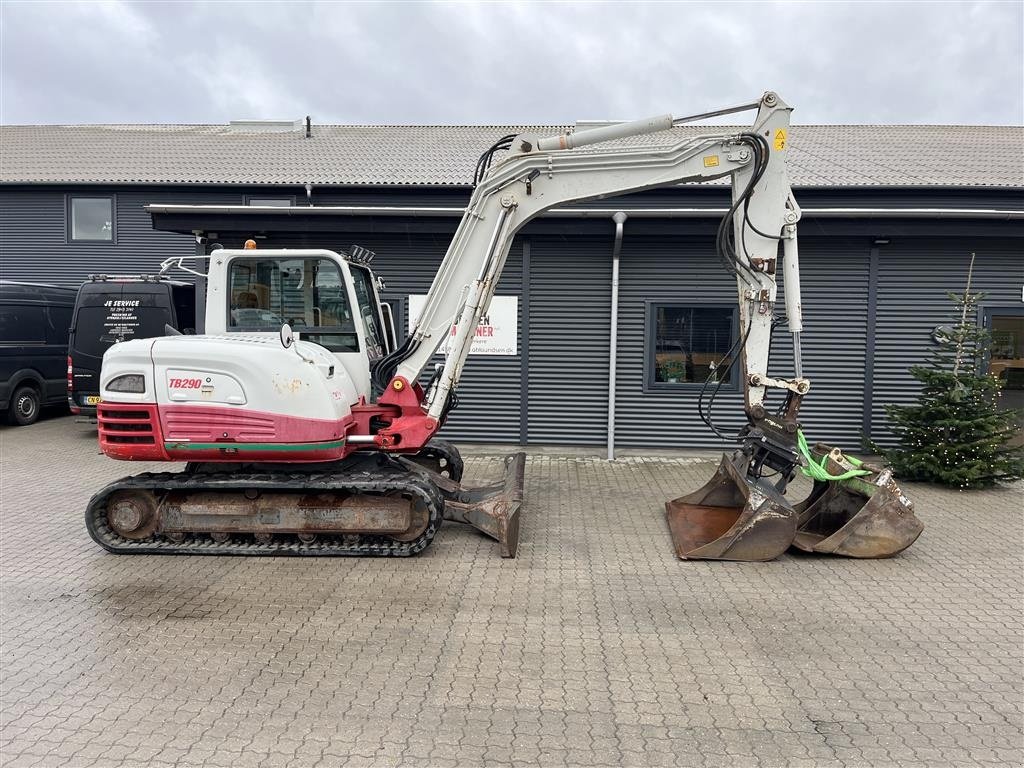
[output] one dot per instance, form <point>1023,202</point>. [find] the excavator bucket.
<point>867,516</point>
<point>732,517</point>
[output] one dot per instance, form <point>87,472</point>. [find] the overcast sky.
<point>347,62</point>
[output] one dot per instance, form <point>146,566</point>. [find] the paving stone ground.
<point>594,647</point>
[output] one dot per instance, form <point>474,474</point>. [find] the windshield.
<point>306,293</point>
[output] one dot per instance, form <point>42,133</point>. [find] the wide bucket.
<point>864,517</point>
<point>731,517</point>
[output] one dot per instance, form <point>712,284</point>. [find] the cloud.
<point>910,62</point>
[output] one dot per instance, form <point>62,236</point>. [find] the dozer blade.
<point>731,517</point>
<point>491,509</point>
<point>865,517</point>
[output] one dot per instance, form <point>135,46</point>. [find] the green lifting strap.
<point>818,471</point>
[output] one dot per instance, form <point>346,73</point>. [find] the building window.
<point>688,345</point>
<point>1006,353</point>
<point>273,202</point>
<point>92,219</point>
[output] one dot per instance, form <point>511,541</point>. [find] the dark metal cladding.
<point>731,517</point>
<point>862,517</point>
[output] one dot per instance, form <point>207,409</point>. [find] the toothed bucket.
<point>731,517</point>
<point>866,516</point>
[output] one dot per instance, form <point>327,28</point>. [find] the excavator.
<point>307,430</point>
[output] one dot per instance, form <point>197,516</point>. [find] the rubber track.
<point>383,480</point>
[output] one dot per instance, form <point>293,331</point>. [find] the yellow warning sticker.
<point>711,161</point>
<point>780,139</point>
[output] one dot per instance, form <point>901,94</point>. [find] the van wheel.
<point>24,409</point>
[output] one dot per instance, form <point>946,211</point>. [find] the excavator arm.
<point>540,173</point>
<point>741,513</point>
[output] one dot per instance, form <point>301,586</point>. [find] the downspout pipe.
<point>620,221</point>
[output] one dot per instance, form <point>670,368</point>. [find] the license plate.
<point>92,400</point>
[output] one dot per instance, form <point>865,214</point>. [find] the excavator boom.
<point>541,173</point>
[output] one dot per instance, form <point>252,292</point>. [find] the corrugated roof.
<point>822,155</point>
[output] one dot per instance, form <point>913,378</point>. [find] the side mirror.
<point>287,336</point>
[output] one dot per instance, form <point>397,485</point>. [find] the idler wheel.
<point>132,514</point>
<point>419,515</point>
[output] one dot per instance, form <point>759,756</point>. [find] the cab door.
<point>379,335</point>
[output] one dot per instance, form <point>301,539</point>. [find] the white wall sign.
<point>497,333</point>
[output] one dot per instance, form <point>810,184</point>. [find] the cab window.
<point>369,315</point>
<point>308,294</point>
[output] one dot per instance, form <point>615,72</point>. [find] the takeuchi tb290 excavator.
<point>325,444</point>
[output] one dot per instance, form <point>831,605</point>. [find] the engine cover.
<point>224,398</point>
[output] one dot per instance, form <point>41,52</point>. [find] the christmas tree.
<point>955,434</point>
